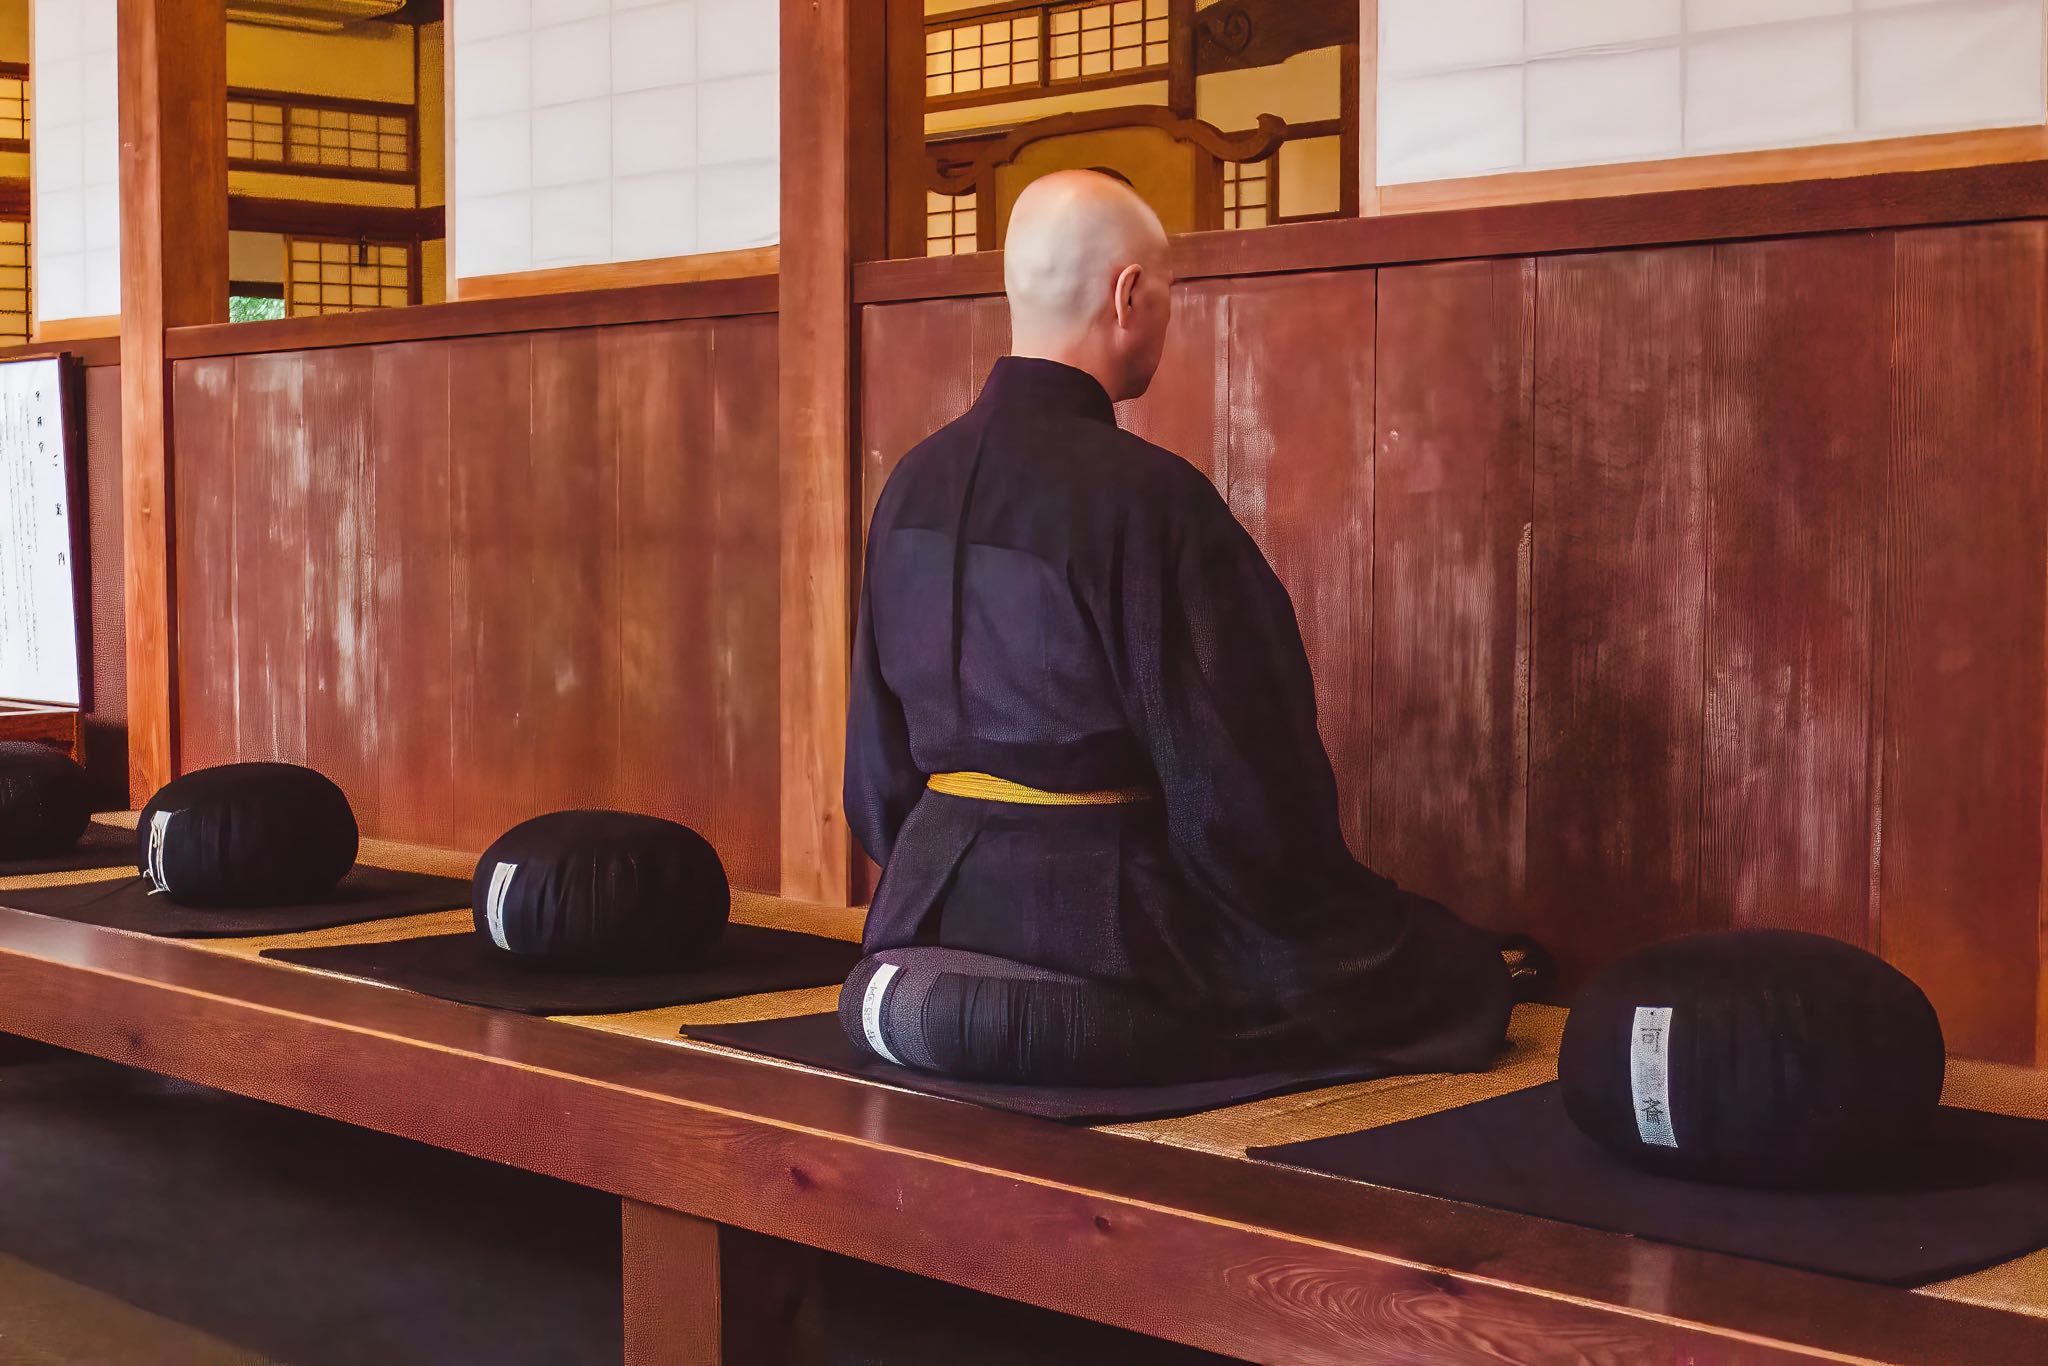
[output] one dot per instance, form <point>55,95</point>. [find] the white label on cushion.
<point>1649,1075</point>
<point>494,903</point>
<point>871,1009</point>
<point>159,823</point>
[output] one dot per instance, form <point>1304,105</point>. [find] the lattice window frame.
<point>17,284</point>
<point>953,223</point>
<point>283,133</point>
<point>1154,20</point>
<point>1250,188</point>
<point>345,282</point>
<point>14,107</point>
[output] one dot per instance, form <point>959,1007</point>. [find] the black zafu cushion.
<point>247,835</point>
<point>979,1018</point>
<point>605,890</point>
<point>44,806</point>
<point>1756,1057</point>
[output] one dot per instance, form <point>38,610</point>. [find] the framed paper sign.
<point>42,551</point>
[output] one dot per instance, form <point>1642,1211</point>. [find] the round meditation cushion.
<point>1754,1057</point>
<point>980,1018</point>
<point>604,890</point>
<point>247,835</point>
<point>43,801</point>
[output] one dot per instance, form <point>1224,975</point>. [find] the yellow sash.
<point>989,788</point>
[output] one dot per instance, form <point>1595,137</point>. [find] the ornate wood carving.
<point>1247,33</point>
<point>956,173</point>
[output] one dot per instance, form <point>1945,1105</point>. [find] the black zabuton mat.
<point>464,967</point>
<point>1980,1197</point>
<point>101,846</point>
<point>818,1041</point>
<point>125,904</point>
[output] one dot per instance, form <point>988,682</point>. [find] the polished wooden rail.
<point>1256,1261</point>
<point>1847,204</point>
<point>729,298</point>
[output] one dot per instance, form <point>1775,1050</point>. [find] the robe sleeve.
<point>882,779</point>
<point>1216,685</point>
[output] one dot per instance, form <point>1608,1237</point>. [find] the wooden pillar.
<point>1180,62</point>
<point>174,272</point>
<point>834,212</point>
<point>702,1294</point>
<point>909,168</point>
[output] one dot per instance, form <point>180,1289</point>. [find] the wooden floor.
<point>924,1180</point>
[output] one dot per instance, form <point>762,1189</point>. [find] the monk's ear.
<point>1127,293</point>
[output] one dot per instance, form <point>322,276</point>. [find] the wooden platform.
<point>58,726</point>
<point>730,1166</point>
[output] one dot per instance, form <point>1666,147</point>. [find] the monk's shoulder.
<point>1150,473</point>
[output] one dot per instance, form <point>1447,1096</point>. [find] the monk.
<point>1082,736</point>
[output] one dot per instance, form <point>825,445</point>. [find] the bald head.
<point>1089,277</point>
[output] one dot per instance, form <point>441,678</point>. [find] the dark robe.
<point>1055,601</point>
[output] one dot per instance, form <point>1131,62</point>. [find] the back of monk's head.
<point>1090,280</point>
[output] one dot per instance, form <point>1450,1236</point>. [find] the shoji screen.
<point>594,131</point>
<point>76,159</point>
<point>1471,87</point>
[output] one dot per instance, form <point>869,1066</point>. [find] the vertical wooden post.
<point>908,167</point>
<point>174,272</point>
<point>701,1294</point>
<point>833,106</point>
<point>1365,90</point>
<point>1180,62</point>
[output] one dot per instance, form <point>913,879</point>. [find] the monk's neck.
<point>1087,359</point>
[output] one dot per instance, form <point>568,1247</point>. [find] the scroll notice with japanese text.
<point>40,540</point>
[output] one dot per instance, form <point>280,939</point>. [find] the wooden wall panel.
<point>106,724</point>
<point>1798,428</point>
<point>743,719</point>
<point>1454,534</point>
<point>926,363</point>
<point>271,483</point>
<point>491,582</point>
<point>1963,631</point>
<point>414,607</point>
<point>203,407</point>
<point>572,609</point>
<point>1185,410</point>
<point>1297,469</point>
<point>337,578</point>
<point>480,579</point>
<point>1620,576</point>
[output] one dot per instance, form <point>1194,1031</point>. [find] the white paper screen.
<point>594,131</point>
<point>1475,87</point>
<point>76,163</point>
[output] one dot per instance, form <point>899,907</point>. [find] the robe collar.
<point>1046,386</point>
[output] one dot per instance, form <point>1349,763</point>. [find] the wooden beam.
<point>323,218</point>
<point>744,263</point>
<point>1180,62</point>
<point>743,297</point>
<point>174,273</point>
<point>909,167</point>
<point>705,1294</point>
<point>832,100</point>
<point>1976,194</point>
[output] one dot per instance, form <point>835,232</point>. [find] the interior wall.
<point>362,62</point>
<point>469,613</point>
<point>1647,591</point>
